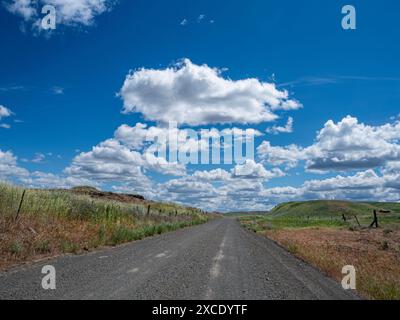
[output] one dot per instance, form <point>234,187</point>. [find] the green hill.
<point>245,213</point>
<point>327,208</point>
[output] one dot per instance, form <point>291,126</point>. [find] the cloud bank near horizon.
<point>347,159</point>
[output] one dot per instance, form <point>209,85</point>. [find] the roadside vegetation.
<point>332,234</point>
<point>37,224</point>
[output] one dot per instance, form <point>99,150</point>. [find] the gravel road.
<point>218,260</point>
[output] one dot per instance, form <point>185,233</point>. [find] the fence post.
<point>20,205</point>
<point>375,222</point>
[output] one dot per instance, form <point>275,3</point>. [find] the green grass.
<point>325,208</point>
<point>322,213</point>
<point>69,247</point>
<point>124,234</point>
<point>329,213</point>
<point>16,248</point>
<point>43,246</point>
<point>261,223</point>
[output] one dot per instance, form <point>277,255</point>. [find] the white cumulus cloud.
<point>198,94</point>
<point>288,128</point>
<point>4,112</point>
<point>68,12</point>
<point>343,146</point>
<point>252,170</point>
<point>9,168</point>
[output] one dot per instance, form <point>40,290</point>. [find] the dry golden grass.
<point>31,238</point>
<point>374,253</point>
<point>35,238</point>
<point>36,224</point>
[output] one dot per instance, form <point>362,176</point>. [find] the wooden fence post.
<point>20,205</point>
<point>375,222</point>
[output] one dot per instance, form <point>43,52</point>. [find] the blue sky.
<point>62,89</point>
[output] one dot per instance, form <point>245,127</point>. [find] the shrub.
<point>43,246</point>
<point>69,247</point>
<point>292,248</point>
<point>16,248</point>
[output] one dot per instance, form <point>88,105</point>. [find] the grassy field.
<point>316,232</point>
<point>36,224</point>
<point>334,209</point>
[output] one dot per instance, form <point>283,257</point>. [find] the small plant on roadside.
<point>69,247</point>
<point>43,247</point>
<point>292,248</point>
<point>16,248</point>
